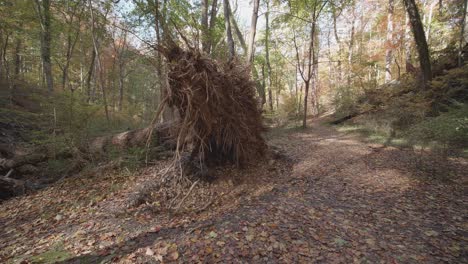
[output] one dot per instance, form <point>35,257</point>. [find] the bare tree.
<point>306,69</point>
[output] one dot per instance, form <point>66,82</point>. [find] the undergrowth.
<point>401,114</point>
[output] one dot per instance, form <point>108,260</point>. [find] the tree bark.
<point>389,42</point>
<point>408,62</point>
<point>420,39</point>
<point>253,31</point>
<point>227,23</point>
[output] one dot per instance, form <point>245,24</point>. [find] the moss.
<point>56,254</point>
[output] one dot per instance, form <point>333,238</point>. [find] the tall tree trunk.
<point>408,63</point>
<point>6,67</point>
<point>213,13</point>
<point>1,54</point>
<point>204,26</point>
<point>420,39</point>
<point>315,77</point>
<point>43,10</point>
<point>389,43</point>
<point>263,90</point>
<point>462,34</point>
<point>306,95</point>
<point>253,31</point>
<point>17,58</point>
<point>351,48</point>
<point>90,75</point>
<point>121,87</point>
<point>227,22</point>
<point>267,55</point>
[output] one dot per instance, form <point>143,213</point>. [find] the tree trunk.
<point>43,10</point>
<point>204,26</point>
<point>1,54</point>
<point>462,33</point>
<point>90,75</point>
<point>213,13</point>
<point>263,91</point>
<point>306,94</point>
<point>17,58</point>
<point>389,43</point>
<point>408,62</point>
<point>267,56</point>
<point>229,39</point>
<point>253,31</point>
<point>420,39</point>
<point>315,76</point>
<point>121,87</point>
<point>350,47</point>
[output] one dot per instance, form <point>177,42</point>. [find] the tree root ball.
<point>220,120</point>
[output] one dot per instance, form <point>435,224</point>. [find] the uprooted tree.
<point>219,117</point>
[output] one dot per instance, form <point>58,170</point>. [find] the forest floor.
<point>339,199</point>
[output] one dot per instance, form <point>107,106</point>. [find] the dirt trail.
<point>345,201</point>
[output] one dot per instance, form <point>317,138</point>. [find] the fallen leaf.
<point>149,252</point>
<point>213,234</point>
<point>174,255</point>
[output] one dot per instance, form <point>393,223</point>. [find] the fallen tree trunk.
<point>17,161</point>
<point>162,135</point>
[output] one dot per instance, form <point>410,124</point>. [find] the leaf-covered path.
<point>343,201</point>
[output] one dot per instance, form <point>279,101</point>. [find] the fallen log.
<point>162,135</point>
<point>12,186</point>
<point>17,161</point>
